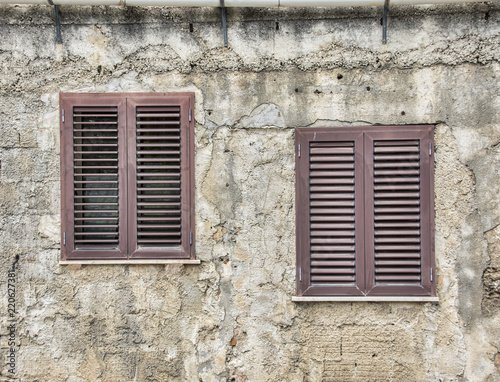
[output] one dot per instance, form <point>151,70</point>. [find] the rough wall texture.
<point>231,318</point>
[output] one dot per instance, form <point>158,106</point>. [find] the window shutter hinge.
<point>431,274</point>
<point>63,115</point>
<point>430,148</point>
<point>64,238</point>
<point>190,115</point>
<point>300,273</point>
<point>299,150</point>
<point>190,238</point>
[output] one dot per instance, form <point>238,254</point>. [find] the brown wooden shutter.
<point>398,213</point>
<point>127,173</point>
<point>93,138</point>
<point>364,204</point>
<point>329,246</point>
<point>160,209</point>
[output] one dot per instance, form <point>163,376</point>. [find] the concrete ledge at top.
<point>128,262</point>
<point>365,299</point>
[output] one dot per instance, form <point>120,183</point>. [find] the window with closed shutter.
<point>127,176</point>
<point>364,203</point>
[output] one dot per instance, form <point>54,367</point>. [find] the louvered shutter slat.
<point>398,210</point>
<point>156,145</point>
<point>397,187</point>
<point>155,123</point>
<point>95,189</point>
<point>388,173</point>
<point>332,241</point>
<point>146,174</point>
<point>95,123</point>
<point>95,172</point>
<point>316,249</point>
<point>329,166</point>
<point>158,177</point>
<point>158,130</point>
<point>96,130</point>
<point>333,203</point>
<point>88,235</point>
<point>345,213</point>
<point>170,219</point>
<point>382,263</point>
<point>332,196</point>
<point>96,218</point>
<point>404,157</point>
<point>399,180</point>
<point>339,255</point>
<point>332,226</point>
<point>333,279</point>
<point>336,174</point>
<point>318,263</point>
<point>398,224</point>
<point>331,181</point>
<point>332,189</point>
<point>97,243</point>
<point>396,147</point>
<point>397,232</point>
<point>333,231</point>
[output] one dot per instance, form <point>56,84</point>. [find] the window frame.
<point>363,136</point>
<point>126,104</point>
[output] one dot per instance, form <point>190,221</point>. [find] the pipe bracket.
<point>58,24</point>
<point>224,22</point>
<point>384,22</point>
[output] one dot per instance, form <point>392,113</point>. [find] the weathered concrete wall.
<point>231,318</point>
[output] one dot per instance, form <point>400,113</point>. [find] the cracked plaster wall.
<point>232,318</point>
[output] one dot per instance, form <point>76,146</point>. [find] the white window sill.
<point>365,299</point>
<point>129,262</point>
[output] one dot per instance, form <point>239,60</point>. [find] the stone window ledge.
<point>365,299</point>
<point>129,262</point>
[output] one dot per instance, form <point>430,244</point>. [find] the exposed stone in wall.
<point>491,275</point>
<point>232,318</point>
<point>491,299</point>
